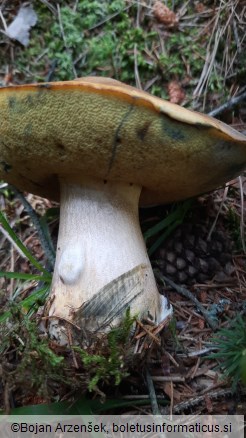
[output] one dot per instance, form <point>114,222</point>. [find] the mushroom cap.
<point>102,128</point>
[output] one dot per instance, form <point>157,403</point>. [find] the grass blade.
<point>167,225</point>
<point>20,245</point>
<point>37,297</point>
<point>22,276</point>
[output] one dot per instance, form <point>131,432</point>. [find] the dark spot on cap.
<point>12,102</point>
<point>118,139</point>
<point>171,129</point>
<point>141,132</point>
<point>60,146</point>
<point>6,166</point>
<point>29,100</point>
<point>61,150</point>
<point>224,145</point>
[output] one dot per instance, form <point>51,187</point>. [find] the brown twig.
<point>148,332</point>
<point>168,378</point>
<point>229,105</point>
<point>185,292</point>
<point>191,403</point>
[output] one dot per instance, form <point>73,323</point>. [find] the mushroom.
<point>102,147</point>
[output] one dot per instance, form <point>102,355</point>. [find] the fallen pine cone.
<point>164,15</point>
<point>176,93</point>
<point>187,257</point>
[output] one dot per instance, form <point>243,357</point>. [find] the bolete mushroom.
<point>98,145</point>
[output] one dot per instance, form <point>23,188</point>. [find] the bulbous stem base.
<point>102,267</point>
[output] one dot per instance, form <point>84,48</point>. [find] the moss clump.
<point>108,357</point>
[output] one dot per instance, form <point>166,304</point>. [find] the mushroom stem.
<point>102,266</point>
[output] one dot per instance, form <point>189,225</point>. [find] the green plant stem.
<point>45,243</point>
<point>153,400</point>
<point>10,234</point>
<point>152,394</point>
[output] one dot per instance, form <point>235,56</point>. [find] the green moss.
<point>103,38</point>
<point>32,361</point>
<point>109,360</point>
<point>184,54</point>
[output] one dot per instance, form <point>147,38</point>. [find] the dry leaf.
<point>171,392</point>
<point>20,26</point>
